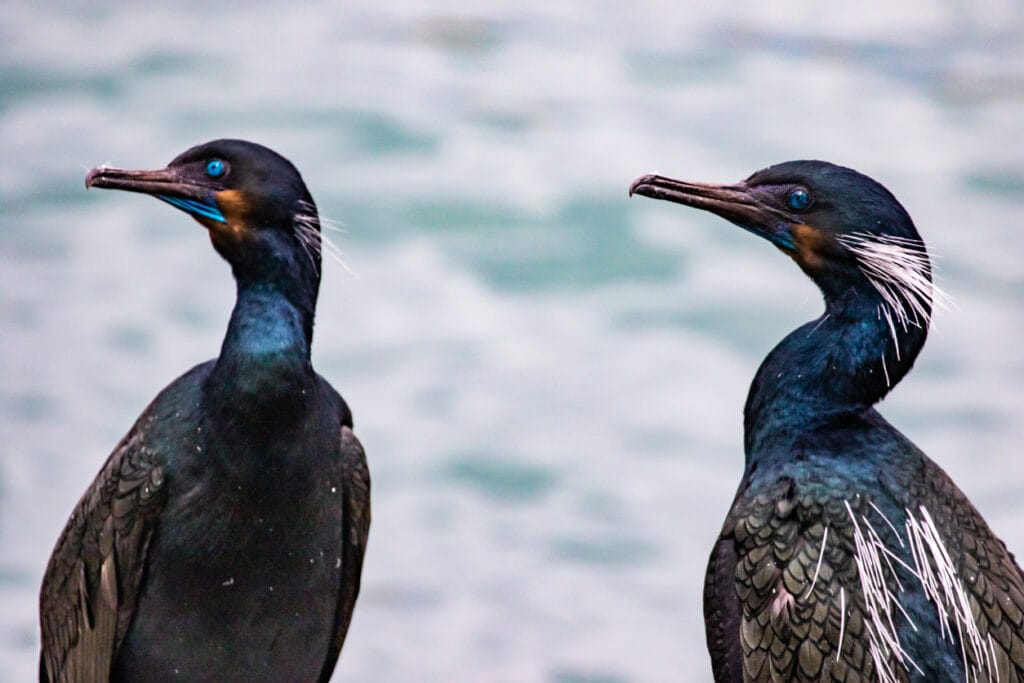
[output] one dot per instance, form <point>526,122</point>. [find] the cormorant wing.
<point>794,604</point>
<point>992,580</point>
<point>355,530</point>
<point>722,613</point>
<point>92,581</point>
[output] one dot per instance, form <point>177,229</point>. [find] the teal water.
<point>548,377</point>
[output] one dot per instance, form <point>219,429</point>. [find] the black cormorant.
<point>848,554</point>
<point>223,539</point>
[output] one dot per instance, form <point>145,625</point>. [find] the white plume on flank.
<point>817,566</point>
<point>308,226</point>
<point>940,583</point>
<point>898,268</point>
<point>934,570</point>
<point>874,567</point>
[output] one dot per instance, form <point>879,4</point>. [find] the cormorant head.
<point>846,231</point>
<point>253,202</point>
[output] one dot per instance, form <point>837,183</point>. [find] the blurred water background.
<point>548,377</point>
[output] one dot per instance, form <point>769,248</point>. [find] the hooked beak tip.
<point>639,182</point>
<point>95,177</point>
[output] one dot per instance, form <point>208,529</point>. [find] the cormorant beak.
<point>735,203</point>
<point>165,184</point>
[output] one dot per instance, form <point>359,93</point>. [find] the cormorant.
<point>848,554</point>
<point>223,538</point>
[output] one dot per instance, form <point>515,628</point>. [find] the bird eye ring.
<point>215,168</point>
<point>799,198</point>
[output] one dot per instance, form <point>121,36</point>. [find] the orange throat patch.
<point>235,209</point>
<point>812,246</point>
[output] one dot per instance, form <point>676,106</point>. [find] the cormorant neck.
<point>264,365</point>
<point>827,371</point>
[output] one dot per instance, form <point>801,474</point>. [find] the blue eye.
<point>215,168</point>
<point>798,198</point>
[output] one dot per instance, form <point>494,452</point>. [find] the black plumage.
<point>223,539</point>
<point>848,555</point>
